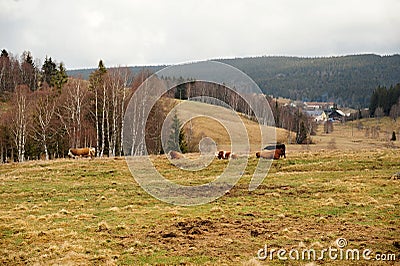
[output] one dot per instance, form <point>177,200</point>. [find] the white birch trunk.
<point>103,122</point>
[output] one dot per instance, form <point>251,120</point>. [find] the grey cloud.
<point>79,33</point>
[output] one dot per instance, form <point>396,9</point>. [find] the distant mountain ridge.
<point>347,80</point>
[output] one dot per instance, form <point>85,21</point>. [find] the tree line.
<point>346,80</point>
<point>385,101</point>
<point>26,71</point>
<point>44,112</point>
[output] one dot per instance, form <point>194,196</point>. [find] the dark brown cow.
<point>223,155</point>
<point>226,155</point>
<point>175,155</point>
<point>82,152</point>
<point>279,146</point>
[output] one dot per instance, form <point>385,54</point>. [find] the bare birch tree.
<point>127,79</point>
<point>43,113</point>
<point>97,79</point>
<point>103,120</point>
<point>20,120</point>
<point>73,109</point>
<point>116,94</point>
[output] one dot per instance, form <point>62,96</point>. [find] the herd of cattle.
<point>269,152</point>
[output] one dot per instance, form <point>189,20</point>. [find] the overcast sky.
<point>133,32</point>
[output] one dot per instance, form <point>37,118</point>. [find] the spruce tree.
<point>49,71</point>
<point>60,78</point>
<point>177,139</point>
<point>27,57</point>
<point>29,71</point>
<point>4,53</point>
<point>181,92</point>
<point>182,141</point>
<point>96,78</point>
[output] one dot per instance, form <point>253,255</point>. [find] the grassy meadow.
<point>92,212</point>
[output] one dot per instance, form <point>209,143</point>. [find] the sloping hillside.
<point>217,127</point>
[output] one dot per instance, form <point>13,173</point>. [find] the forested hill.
<point>84,73</point>
<point>347,80</point>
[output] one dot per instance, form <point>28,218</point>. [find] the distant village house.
<point>324,111</point>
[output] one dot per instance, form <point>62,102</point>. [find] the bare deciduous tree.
<point>20,119</point>
<point>395,111</point>
<point>73,109</point>
<point>127,79</point>
<point>379,113</point>
<point>43,112</point>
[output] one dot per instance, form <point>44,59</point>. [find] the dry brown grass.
<point>351,136</point>
<point>207,127</point>
<point>85,212</point>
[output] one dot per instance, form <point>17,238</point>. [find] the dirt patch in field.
<point>244,236</point>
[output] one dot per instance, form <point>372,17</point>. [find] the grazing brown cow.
<point>176,155</point>
<point>265,154</point>
<point>82,152</point>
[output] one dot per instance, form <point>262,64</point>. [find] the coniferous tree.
<point>6,83</point>
<point>29,71</point>
<point>60,78</point>
<point>97,76</point>
<point>181,92</point>
<point>182,141</point>
<point>49,71</point>
<point>177,139</point>
<point>173,141</point>
<point>4,53</point>
<point>384,98</point>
